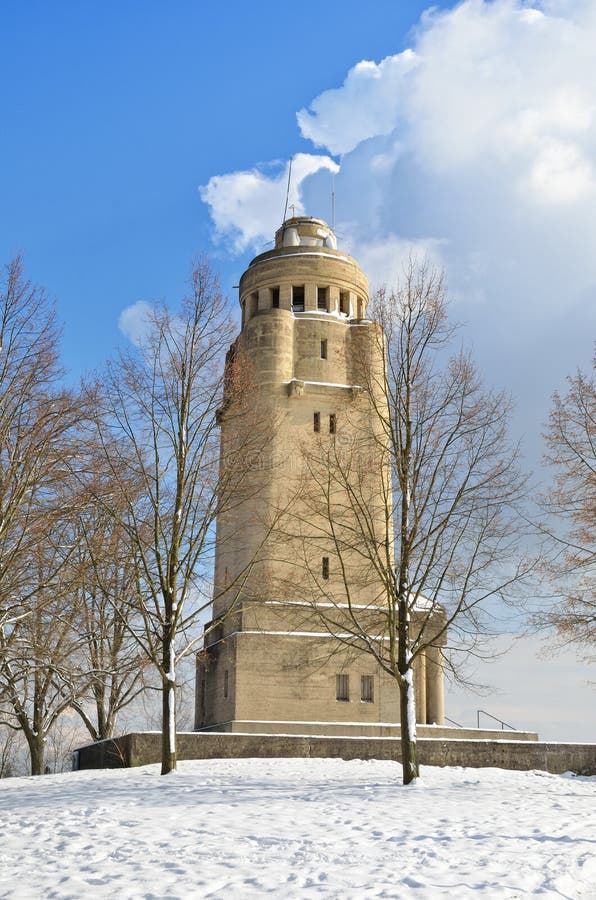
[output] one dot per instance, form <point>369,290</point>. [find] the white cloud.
<point>495,102</point>
<point>475,141</point>
<point>368,104</point>
<point>247,207</point>
<point>560,173</point>
<point>477,146</point>
<point>385,261</point>
<point>497,85</point>
<point>135,321</point>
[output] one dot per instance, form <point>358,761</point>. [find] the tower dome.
<point>304,273</point>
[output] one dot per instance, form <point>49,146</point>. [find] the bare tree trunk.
<point>409,752</point>
<point>168,732</point>
<point>103,731</point>
<point>36,751</point>
<point>407,701</point>
<point>407,704</point>
<point>109,725</point>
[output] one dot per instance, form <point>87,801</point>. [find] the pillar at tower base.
<point>435,691</point>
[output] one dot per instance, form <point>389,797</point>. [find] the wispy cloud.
<point>247,207</point>
<point>135,322</point>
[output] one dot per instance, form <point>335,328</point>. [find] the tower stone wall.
<point>269,660</point>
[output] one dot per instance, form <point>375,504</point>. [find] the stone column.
<point>310,297</point>
<point>285,296</point>
<point>420,687</point>
<point>264,298</point>
<point>353,304</point>
<point>435,690</point>
<point>333,298</point>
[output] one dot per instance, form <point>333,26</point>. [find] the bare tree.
<point>67,734</point>
<point>159,432</point>
<point>37,650</point>
<point>12,749</point>
<point>571,442</point>
<point>38,423</point>
<point>420,505</point>
<point>110,660</point>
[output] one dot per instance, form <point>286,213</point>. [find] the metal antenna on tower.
<point>333,201</point>
<point>288,190</point>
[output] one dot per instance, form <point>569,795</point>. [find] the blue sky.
<point>115,113</point>
<point>138,134</point>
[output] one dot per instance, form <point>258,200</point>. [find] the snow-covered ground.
<point>297,828</point>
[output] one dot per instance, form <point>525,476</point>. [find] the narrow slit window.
<point>298,297</point>
<point>367,689</point>
<point>226,682</point>
<point>344,302</point>
<point>332,423</point>
<point>316,422</point>
<point>325,567</point>
<point>324,349</point>
<point>322,299</point>
<point>275,298</point>
<point>342,687</point>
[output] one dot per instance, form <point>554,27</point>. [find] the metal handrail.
<point>495,718</point>
<point>452,722</point>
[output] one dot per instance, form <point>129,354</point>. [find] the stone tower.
<point>269,666</point>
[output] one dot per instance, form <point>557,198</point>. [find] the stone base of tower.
<point>341,730</point>
<point>274,682</point>
<point>317,729</point>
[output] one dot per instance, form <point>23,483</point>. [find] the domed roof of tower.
<point>304,231</point>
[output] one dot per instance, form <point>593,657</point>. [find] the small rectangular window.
<point>366,688</point>
<point>298,297</point>
<point>342,687</point>
<point>332,423</point>
<point>324,349</point>
<point>322,299</point>
<point>316,422</point>
<point>226,683</point>
<point>344,302</point>
<point>325,567</point>
<point>275,298</point>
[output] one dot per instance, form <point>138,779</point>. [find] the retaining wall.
<point>142,748</point>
